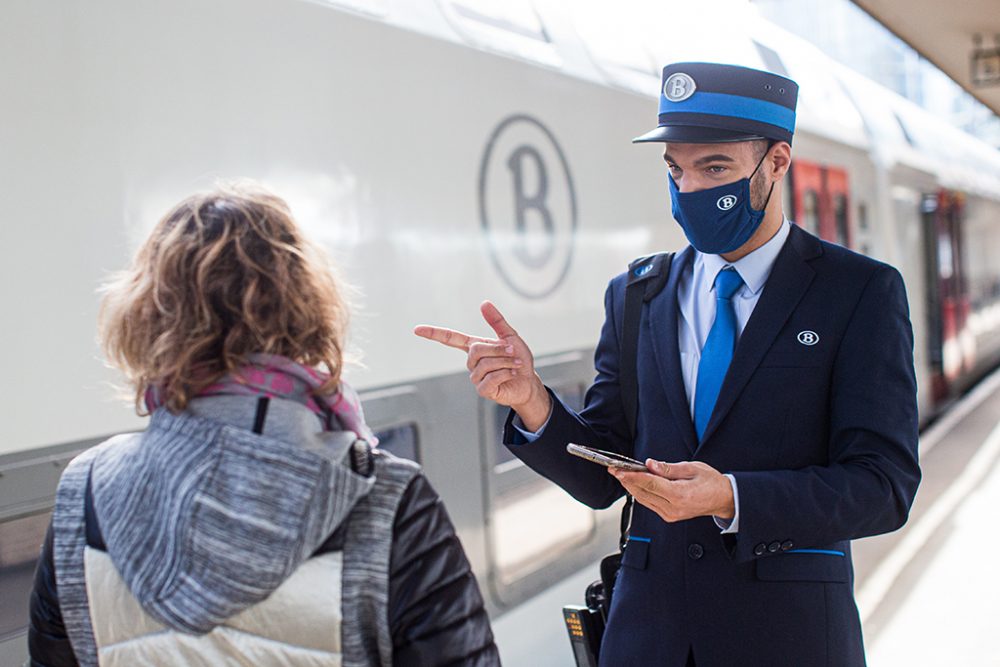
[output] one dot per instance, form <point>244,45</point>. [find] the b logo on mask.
<point>726,202</point>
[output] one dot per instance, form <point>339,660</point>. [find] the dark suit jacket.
<point>822,440</point>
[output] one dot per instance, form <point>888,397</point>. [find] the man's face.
<point>697,167</point>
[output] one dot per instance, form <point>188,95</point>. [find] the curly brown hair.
<point>224,275</point>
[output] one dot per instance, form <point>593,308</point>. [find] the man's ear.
<point>781,159</point>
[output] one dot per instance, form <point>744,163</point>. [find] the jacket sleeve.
<point>436,612</point>
<point>600,424</point>
<point>872,475</point>
<point>48,644</point>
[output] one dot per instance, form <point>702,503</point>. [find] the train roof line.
<point>835,103</point>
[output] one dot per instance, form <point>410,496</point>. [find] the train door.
<point>807,186</point>
<point>950,348</point>
<point>537,533</point>
<point>838,227</point>
<point>821,201</point>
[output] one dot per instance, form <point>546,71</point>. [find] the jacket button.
<point>773,547</point>
<point>786,545</point>
<point>695,551</point>
<point>760,549</point>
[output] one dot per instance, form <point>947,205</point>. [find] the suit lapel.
<point>788,282</point>
<point>663,323</point>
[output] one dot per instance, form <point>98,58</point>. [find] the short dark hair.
<point>762,146</point>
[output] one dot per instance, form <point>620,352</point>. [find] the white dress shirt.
<point>696,299</point>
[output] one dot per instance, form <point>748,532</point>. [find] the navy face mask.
<point>718,220</point>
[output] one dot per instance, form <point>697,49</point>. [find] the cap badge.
<point>678,87</point>
<point>726,202</point>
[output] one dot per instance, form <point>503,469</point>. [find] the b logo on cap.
<point>678,87</point>
<point>726,202</point>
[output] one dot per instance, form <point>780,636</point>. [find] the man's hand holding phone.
<point>501,368</point>
<point>675,491</point>
<point>680,491</point>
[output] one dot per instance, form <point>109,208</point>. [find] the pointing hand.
<point>502,368</point>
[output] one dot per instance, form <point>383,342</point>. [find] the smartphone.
<point>607,459</point>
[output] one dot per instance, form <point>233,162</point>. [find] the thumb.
<point>681,470</point>
<point>657,467</point>
<point>496,320</point>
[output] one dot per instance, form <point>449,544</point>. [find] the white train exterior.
<point>444,151</point>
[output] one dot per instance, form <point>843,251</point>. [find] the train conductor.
<point>776,404</point>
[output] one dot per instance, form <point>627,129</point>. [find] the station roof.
<point>943,32</point>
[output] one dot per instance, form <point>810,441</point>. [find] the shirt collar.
<point>754,268</point>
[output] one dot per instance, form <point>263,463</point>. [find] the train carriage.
<point>444,151</point>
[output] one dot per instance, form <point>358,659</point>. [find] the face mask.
<point>718,220</point>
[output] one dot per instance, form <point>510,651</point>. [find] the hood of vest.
<point>204,518</point>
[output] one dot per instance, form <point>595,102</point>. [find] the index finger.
<point>496,320</point>
<point>449,337</point>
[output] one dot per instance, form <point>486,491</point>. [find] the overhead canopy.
<point>943,33</point>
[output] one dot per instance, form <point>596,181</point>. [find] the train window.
<point>515,17</point>
<point>536,527</point>
<point>809,218</point>
<point>20,542</point>
<point>946,258</point>
<point>906,132</point>
<point>840,219</point>
<point>511,26</point>
<point>402,441</point>
<point>864,247</point>
<point>772,61</point>
<point>928,204</point>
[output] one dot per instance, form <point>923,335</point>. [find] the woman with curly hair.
<point>253,522</point>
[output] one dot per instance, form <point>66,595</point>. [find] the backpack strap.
<point>646,278</point>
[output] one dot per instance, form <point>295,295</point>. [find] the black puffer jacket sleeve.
<point>436,611</point>
<point>48,644</point>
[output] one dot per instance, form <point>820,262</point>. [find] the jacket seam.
<point>854,312</point>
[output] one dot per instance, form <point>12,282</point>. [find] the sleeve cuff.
<point>528,435</point>
<point>728,526</point>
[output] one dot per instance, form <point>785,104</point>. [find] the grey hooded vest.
<point>210,531</point>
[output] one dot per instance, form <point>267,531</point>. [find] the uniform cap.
<point>711,103</point>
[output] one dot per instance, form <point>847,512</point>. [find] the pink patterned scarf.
<point>275,376</point>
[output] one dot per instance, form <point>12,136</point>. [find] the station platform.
<point>927,594</point>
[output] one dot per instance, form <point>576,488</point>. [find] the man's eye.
<point>717,170</point>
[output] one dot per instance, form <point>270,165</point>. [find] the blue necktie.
<point>718,350</point>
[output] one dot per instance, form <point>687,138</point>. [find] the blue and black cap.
<point>707,103</point>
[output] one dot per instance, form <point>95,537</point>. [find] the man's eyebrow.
<point>717,157</point>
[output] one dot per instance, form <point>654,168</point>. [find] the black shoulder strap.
<point>646,278</point>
